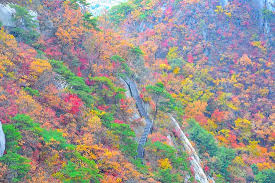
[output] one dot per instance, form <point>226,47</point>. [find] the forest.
<point>148,91</point>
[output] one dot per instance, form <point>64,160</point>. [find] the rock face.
<point>2,141</point>
<point>143,113</point>
<point>6,15</point>
<point>195,161</point>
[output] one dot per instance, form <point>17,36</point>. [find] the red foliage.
<point>74,102</point>
<point>168,11</point>
<point>206,168</point>
<point>53,51</point>
<point>190,58</point>
<point>119,121</point>
<point>103,107</point>
<point>218,115</point>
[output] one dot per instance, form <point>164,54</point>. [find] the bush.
<point>206,144</point>
<point>32,92</point>
<point>124,131</point>
<point>17,164</point>
<point>265,176</point>
<point>12,137</point>
<point>79,169</point>
<point>77,84</point>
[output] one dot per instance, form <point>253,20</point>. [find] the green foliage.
<point>125,134</point>
<point>204,140</point>
<point>17,164</point>
<point>107,119</point>
<point>12,137</point>
<point>75,3</point>
<point>142,168</point>
<point>77,84</point>
<point>127,69</point>
<point>119,12</point>
<point>145,14</point>
<point>117,58</point>
<point>81,170</point>
<point>255,169</point>
<point>56,138</point>
<point>167,103</point>
<point>265,176</point>
<point>165,151</point>
<point>224,157</point>
<point>32,92</point>
<point>106,81</point>
<point>177,158</point>
<point>90,21</point>
<point>25,122</point>
<point>165,175</point>
<point>118,93</point>
<point>137,51</point>
<point>206,143</point>
<point>25,25</point>
<point>268,14</point>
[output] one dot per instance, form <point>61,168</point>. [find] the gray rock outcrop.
<point>2,141</point>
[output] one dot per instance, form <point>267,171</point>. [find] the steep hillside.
<point>150,91</point>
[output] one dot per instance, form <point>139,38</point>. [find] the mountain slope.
<point>67,116</point>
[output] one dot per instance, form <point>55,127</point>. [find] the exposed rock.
<point>143,113</point>
<point>48,78</point>
<point>6,13</point>
<point>2,141</point>
<point>195,161</point>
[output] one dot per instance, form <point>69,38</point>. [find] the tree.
<point>244,127</point>
<point>163,99</point>
<point>265,176</point>
<point>38,66</point>
<point>70,30</point>
<point>119,13</point>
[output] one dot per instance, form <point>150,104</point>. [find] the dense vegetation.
<point>68,116</point>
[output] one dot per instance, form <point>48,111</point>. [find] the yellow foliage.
<point>28,105</point>
<point>94,122</point>
<point>258,44</point>
<point>245,60</point>
<point>244,126</point>
<point>8,44</point>
<point>176,70</point>
<point>233,78</point>
<point>228,14</point>
<point>219,9</point>
<point>165,163</point>
<point>264,92</point>
<point>238,161</point>
<point>172,54</point>
<point>253,148</point>
<point>165,66</point>
<point>264,165</point>
<point>232,106</point>
<point>38,66</point>
<point>5,64</point>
